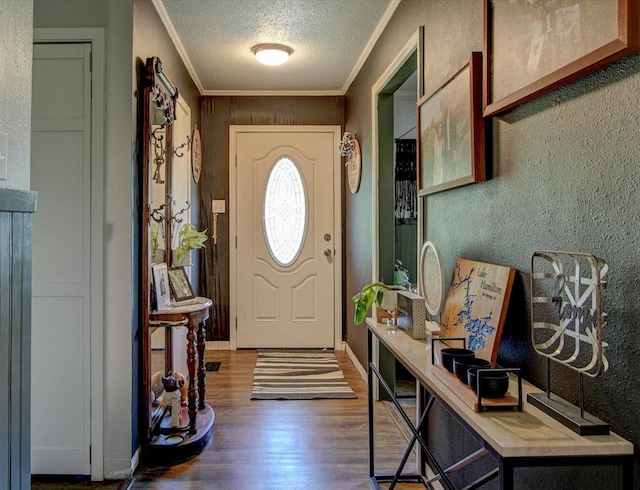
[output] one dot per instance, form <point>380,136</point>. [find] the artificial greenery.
<point>371,293</point>
<point>189,239</point>
<point>155,244</point>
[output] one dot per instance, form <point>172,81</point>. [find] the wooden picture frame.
<point>421,61</point>
<point>534,48</point>
<point>161,285</point>
<point>180,285</point>
<point>476,306</point>
<point>451,132</point>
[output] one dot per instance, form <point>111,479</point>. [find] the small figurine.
<point>172,396</point>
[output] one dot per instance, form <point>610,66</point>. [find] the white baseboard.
<point>117,469</point>
<point>356,363</point>
<point>218,345</point>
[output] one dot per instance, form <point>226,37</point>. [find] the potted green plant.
<point>189,238</point>
<point>371,293</point>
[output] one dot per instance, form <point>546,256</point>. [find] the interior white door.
<point>285,239</point>
<point>61,316</point>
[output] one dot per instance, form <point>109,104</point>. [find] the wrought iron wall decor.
<point>158,142</point>
<point>163,93</point>
<point>186,145</point>
<point>157,214</point>
<point>176,219</point>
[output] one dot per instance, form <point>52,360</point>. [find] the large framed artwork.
<point>451,129</point>
<point>536,46</point>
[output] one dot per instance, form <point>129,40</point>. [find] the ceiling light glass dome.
<point>272,54</point>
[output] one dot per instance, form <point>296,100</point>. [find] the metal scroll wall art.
<point>157,214</point>
<point>566,327</point>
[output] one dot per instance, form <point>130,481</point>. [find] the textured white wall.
<point>16,35</point>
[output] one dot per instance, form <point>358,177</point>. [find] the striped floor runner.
<point>298,375</point>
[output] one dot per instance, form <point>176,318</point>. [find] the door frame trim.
<point>405,53</point>
<point>234,130</point>
<point>95,36</point>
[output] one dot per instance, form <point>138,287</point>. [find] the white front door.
<point>285,262</point>
<point>61,305</point>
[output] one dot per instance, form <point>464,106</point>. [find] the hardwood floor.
<point>284,445</point>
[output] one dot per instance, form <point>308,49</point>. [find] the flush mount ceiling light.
<point>272,54</point>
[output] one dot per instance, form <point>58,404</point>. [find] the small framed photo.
<point>451,130</point>
<point>180,286</point>
<point>161,285</point>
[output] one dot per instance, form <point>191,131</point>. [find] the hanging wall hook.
<point>186,144</point>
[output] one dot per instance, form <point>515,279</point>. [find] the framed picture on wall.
<point>532,48</point>
<point>180,286</point>
<point>451,132</point>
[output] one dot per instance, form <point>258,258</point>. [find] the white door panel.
<point>61,306</point>
<point>285,304</point>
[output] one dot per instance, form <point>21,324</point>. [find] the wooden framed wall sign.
<point>451,132</point>
<point>532,48</point>
<point>476,306</point>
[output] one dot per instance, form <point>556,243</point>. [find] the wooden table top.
<point>190,306</point>
<point>530,433</point>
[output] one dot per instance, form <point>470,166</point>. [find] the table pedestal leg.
<point>191,366</point>
<point>202,372</point>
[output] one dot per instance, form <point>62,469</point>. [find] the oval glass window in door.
<point>284,213</point>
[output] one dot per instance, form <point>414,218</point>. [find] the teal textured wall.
<point>565,177</point>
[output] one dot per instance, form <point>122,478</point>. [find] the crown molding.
<point>274,93</point>
<point>384,20</point>
<point>166,20</point>
<point>382,24</point>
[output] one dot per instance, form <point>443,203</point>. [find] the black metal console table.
<point>514,439</point>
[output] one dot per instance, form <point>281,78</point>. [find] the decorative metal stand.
<point>567,322</point>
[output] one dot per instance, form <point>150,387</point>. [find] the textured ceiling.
<point>330,41</point>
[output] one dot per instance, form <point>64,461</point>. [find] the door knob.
<point>327,252</point>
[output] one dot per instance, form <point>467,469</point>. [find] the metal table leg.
<point>429,455</point>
